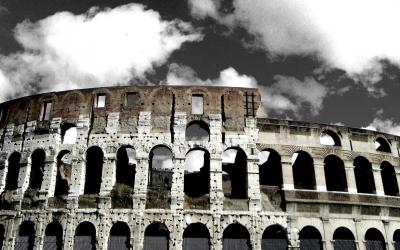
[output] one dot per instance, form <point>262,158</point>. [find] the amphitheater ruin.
<point>190,168</point>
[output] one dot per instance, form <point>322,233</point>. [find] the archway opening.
<point>335,174</point>
<point>2,235</point>
<point>119,237</point>
<point>382,145</point>
<point>303,171</point>
<point>126,166</point>
<point>68,133</point>
<point>396,239</point>
<point>53,236</point>
<point>13,171</point>
<point>389,179</point>
<point>197,173</point>
<point>374,239</point>
<point>197,131</point>
<point>329,138</point>
<point>64,169</point>
<point>310,238</point>
<point>85,236</point>
<point>236,236</point>
<point>274,237</point>
<point>270,168</point>
<point>26,236</point>
<point>37,169</point>
<point>234,173</point>
<point>156,237</point>
<point>94,169</point>
<point>196,237</point>
<point>343,239</point>
<point>364,176</point>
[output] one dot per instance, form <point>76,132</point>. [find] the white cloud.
<point>203,8</point>
<point>384,125</point>
<point>100,47</point>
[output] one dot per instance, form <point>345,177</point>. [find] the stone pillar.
<point>49,177</point>
<point>216,238</point>
<point>3,170</point>
<point>40,234</point>
<point>378,179</point>
<point>320,180</point>
<point>69,235</point>
<point>23,175</point>
<point>253,184</point>
<point>397,171</point>
<point>78,173</point>
<point>178,176</point>
<point>327,234</point>
<point>287,173</point>
<point>216,192</point>
<point>141,181</point>
<point>102,232</point>
<point>350,177</point>
<point>108,175</point>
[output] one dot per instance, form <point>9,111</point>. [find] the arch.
<point>64,169</point>
<point>274,237</point>
<point>85,236</point>
<point>126,166</point>
<point>68,133</point>
<point>197,131</point>
<point>382,145</point>
<point>196,237</point>
<point>335,174</point>
<point>330,138</point>
<point>234,173</point>
<point>374,239</point>
<point>94,169</point>
<point>2,235</point>
<point>197,172</point>
<point>343,239</point>
<point>53,236</point>
<point>38,159</point>
<point>270,168</point>
<point>236,236</point>
<point>364,176</point>
<point>310,238</point>
<point>120,235</point>
<point>389,179</point>
<point>13,171</point>
<point>156,237</point>
<point>303,171</point>
<point>396,239</point>
<point>26,236</point>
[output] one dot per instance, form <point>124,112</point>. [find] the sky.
<point>325,61</point>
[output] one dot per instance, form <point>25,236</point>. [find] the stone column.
<point>287,173</point>
<point>3,170</point>
<point>327,234</point>
<point>253,184</point>
<point>70,227</point>
<point>141,180</point>
<point>177,193</point>
<point>40,233</point>
<point>77,185</point>
<point>397,171</point>
<point>378,179</point>
<point>320,180</point>
<point>216,192</point>
<point>23,175</point>
<point>350,177</point>
<point>108,175</point>
<point>49,178</point>
<point>216,239</point>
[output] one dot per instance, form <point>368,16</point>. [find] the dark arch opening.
<point>335,174</point>
<point>196,237</point>
<point>274,237</point>
<point>234,176</point>
<point>156,237</point>
<point>236,236</point>
<point>64,168</point>
<point>85,236</point>
<point>310,238</point>
<point>382,145</point>
<point>26,236</point>
<point>13,171</point>
<point>270,168</point>
<point>343,239</point>
<point>197,131</point>
<point>94,169</point>
<point>38,158</point>
<point>389,179</point>
<point>53,236</point>
<point>330,138</point>
<point>119,237</point>
<point>396,239</point>
<point>2,235</point>
<point>364,176</point>
<point>126,166</point>
<point>303,171</point>
<point>374,239</point>
<point>197,173</point>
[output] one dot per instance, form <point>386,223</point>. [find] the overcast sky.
<point>330,61</point>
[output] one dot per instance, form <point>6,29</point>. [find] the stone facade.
<point>44,178</point>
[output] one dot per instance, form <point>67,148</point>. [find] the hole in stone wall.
<point>26,236</point>
<point>37,169</point>
<point>85,236</point>
<point>13,171</point>
<point>156,236</point>
<point>64,168</point>
<point>126,166</point>
<point>197,131</point>
<point>396,239</point>
<point>53,236</point>
<point>303,171</point>
<point>389,179</point>
<point>94,169</point>
<point>335,174</point>
<point>236,236</point>
<point>197,173</point>
<point>196,236</point>
<point>364,176</point>
<point>270,168</point>
<point>382,145</point>
<point>119,237</point>
<point>234,173</point>
<point>197,104</point>
<point>68,133</point>
<point>330,138</point>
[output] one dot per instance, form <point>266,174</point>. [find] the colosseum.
<point>191,168</point>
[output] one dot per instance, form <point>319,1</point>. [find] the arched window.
<point>234,173</point>
<point>119,237</point>
<point>374,239</point>
<point>37,169</point>
<point>343,239</point>
<point>13,171</point>
<point>160,177</point>
<point>236,236</point>
<point>64,169</point>
<point>197,131</point>
<point>94,169</point>
<point>270,168</point>
<point>156,237</point>
<point>126,166</point>
<point>197,173</point>
<point>382,145</point>
<point>389,179</point>
<point>85,236</point>
<point>274,237</point>
<point>330,138</point>
<point>396,239</point>
<point>26,236</point>
<point>364,177</point>
<point>335,174</point>
<point>68,133</point>
<point>303,171</point>
<point>53,236</point>
<point>310,239</point>
<point>196,236</point>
